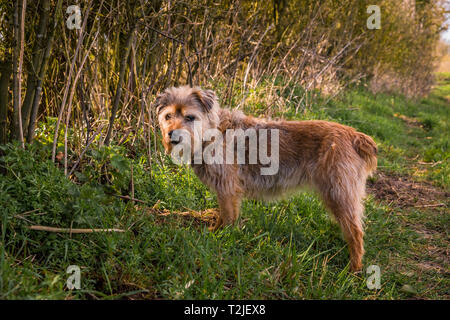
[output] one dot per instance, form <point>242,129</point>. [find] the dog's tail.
<point>367,149</point>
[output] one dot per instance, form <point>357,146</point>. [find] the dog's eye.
<point>168,116</point>
<point>189,118</point>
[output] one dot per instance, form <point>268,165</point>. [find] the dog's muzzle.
<point>173,141</point>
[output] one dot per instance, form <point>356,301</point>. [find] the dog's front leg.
<point>229,208</point>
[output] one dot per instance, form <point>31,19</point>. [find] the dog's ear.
<point>207,99</point>
<point>159,102</point>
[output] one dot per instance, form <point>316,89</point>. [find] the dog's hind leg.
<point>353,233</point>
<point>347,208</point>
<point>340,178</point>
<point>343,191</point>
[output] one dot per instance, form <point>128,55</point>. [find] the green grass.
<point>282,250</point>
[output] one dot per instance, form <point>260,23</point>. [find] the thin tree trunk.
<point>85,104</point>
<point>34,70</point>
<point>16,98</point>
<point>6,70</point>
<point>123,65</point>
<point>17,66</point>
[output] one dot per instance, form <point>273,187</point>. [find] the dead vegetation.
<point>198,218</point>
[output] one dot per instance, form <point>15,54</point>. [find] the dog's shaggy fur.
<point>333,159</point>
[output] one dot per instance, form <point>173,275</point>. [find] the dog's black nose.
<point>174,142</point>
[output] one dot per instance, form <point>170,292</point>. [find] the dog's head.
<point>186,109</point>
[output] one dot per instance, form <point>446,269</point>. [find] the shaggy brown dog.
<point>333,159</point>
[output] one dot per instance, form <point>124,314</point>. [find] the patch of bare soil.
<point>403,192</point>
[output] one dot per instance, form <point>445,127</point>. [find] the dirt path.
<point>423,209</point>
<point>403,192</point>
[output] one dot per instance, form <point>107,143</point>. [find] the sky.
<point>446,35</point>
